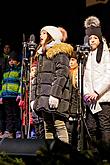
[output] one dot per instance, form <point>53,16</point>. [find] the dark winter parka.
<point>52,78</point>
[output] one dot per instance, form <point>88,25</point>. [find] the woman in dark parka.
<point>50,90</point>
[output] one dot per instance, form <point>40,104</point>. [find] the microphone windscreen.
<point>86,39</point>
<point>32,38</point>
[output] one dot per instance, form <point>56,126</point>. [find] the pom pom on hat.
<point>54,32</point>
<point>92,25</point>
<point>64,33</point>
<point>91,21</point>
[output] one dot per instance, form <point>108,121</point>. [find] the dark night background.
<point>29,17</point>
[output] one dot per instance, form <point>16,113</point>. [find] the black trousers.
<point>12,112</point>
<point>2,118</point>
<point>99,124</point>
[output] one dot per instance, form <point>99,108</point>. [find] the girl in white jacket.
<point>97,83</point>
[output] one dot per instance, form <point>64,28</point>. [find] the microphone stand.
<point>24,88</point>
<point>82,127</point>
<point>31,47</point>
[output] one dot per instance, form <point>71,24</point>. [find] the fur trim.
<point>91,21</point>
<point>60,48</point>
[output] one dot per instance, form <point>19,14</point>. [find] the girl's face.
<point>33,71</point>
<point>43,37</point>
<point>12,62</point>
<point>94,42</point>
<point>73,63</point>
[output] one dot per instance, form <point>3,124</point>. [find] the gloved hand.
<point>32,105</point>
<point>22,104</point>
<point>53,102</point>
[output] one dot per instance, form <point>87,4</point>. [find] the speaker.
<point>22,147</point>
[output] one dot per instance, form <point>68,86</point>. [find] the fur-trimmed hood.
<point>60,48</point>
<point>56,49</point>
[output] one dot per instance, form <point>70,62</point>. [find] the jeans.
<point>55,128</point>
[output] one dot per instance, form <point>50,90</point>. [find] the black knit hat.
<point>96,31</point>
<point>92,30</point>
<point>13,55</point>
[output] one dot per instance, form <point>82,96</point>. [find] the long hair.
<point>73,76</point>
<point>48,40</point>
<point>73,72</point>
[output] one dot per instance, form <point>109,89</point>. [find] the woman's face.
<point>73,63</point>
<point>94,42</point>
<point>43,37</point>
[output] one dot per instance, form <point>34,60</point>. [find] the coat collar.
<point>60,48</point>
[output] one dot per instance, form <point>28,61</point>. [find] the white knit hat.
<point>54,32</point>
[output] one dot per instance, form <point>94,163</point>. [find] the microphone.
<point>86,47</point>
<point>86,40</point>
<point>23,37</point>
<point>86,43</point>
<point>32,38</point>
<point>32,45</point>
<point>83,50</point>
<point>24,42</point>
